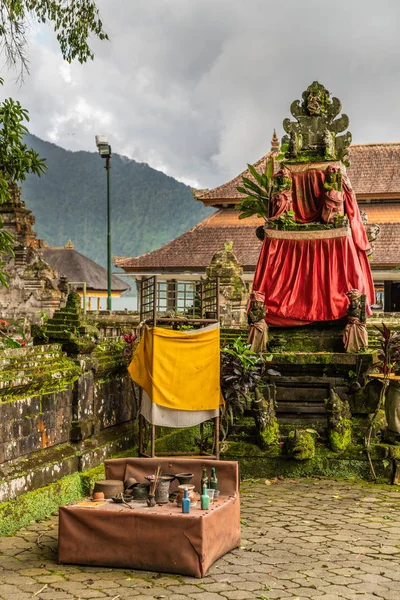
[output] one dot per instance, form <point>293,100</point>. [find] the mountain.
<point>148,208</point>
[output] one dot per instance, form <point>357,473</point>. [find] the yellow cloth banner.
<point>178,370</point>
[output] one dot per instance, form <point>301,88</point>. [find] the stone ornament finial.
<point>313,135</point>
<point>275,143</point>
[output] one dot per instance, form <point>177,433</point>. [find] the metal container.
<point>162,490</point>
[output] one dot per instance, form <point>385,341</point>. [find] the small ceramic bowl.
<point>118,499</point>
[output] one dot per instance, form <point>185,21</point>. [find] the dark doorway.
<point>392,296</point>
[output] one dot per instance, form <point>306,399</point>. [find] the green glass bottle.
<point>204,478</point>
<point>205,499</point>
<point>213,480</point>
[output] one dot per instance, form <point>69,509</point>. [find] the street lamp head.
<point>103,146</point>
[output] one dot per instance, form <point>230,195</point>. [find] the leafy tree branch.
<point>73,21</point>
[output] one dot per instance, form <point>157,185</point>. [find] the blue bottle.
<point>185,501</point>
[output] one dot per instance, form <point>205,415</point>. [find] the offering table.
<point>160,538</point>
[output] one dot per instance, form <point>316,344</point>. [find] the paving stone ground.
<point>324,540</point>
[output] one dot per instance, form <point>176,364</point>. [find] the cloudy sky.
<point>195,87</point>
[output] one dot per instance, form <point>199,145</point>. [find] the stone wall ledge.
<point>49,465</point>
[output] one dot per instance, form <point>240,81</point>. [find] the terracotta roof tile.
<point>194,249</point>
<point>387,246</point>
<point>374,169</point>
<point>228,190</point>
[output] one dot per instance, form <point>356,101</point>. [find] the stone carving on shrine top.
<point>313,136</point>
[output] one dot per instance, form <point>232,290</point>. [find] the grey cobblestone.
<point>317,540</point>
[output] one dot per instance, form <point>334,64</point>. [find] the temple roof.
<point>193,250</point>
<point>374,172</point>
<point>70,263</point>
<point>387,247</point>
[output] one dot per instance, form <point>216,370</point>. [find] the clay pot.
<point>141,491</point>
<point>98,496</point>
<point>110,487</point>
<point>130,483</point>
<point>184,478</point>
<point>191,493</point>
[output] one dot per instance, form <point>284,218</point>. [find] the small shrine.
<point>315,244</point>
<point>319,394</point>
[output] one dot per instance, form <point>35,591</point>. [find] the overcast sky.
<point>195,87</point>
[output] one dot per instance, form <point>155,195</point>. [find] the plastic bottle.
<point>185,501</point>
<point>205,499</point>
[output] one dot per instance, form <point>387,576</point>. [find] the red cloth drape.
<point>306,280</point>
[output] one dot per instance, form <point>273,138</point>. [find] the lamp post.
<point>105,152</point>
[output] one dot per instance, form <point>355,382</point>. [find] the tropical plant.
<point>389,351</point>
<point>257,192</point>
<point>389,357</point>
<point>9,341</point>
<point>241,371</point>
<point>74,22</point>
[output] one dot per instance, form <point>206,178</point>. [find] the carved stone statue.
<point>281,199</point>
<point>258,328</point>
<point>333,197</point>
<point>313,135</point>
<point>355,336</point>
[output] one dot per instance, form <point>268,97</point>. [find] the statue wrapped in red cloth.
<point>281,199</point>
<point>333,199</point>
<point>315,244</point>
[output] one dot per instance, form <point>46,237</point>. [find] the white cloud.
<point>196,87</point>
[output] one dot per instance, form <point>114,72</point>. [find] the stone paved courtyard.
<point>308,539</point>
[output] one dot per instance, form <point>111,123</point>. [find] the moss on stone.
<point>351,464</point>
<point>301,444</point>
<point>39,504</point>
<point>183,440</point>
<point>270,435</point>
<point>340,440</point>
<point>237,450</point>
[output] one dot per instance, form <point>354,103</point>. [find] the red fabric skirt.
<point>307,280</point>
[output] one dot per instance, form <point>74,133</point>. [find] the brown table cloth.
<point>161,538</point>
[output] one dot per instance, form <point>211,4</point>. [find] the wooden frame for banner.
<point>209,311</point>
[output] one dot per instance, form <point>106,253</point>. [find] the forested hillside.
<point>148,208</point>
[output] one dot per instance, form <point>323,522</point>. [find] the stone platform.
<point>311,539</point>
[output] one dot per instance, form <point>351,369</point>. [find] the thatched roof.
<point>70,263</point>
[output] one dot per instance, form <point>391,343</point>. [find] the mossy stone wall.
<point>51,404</point>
